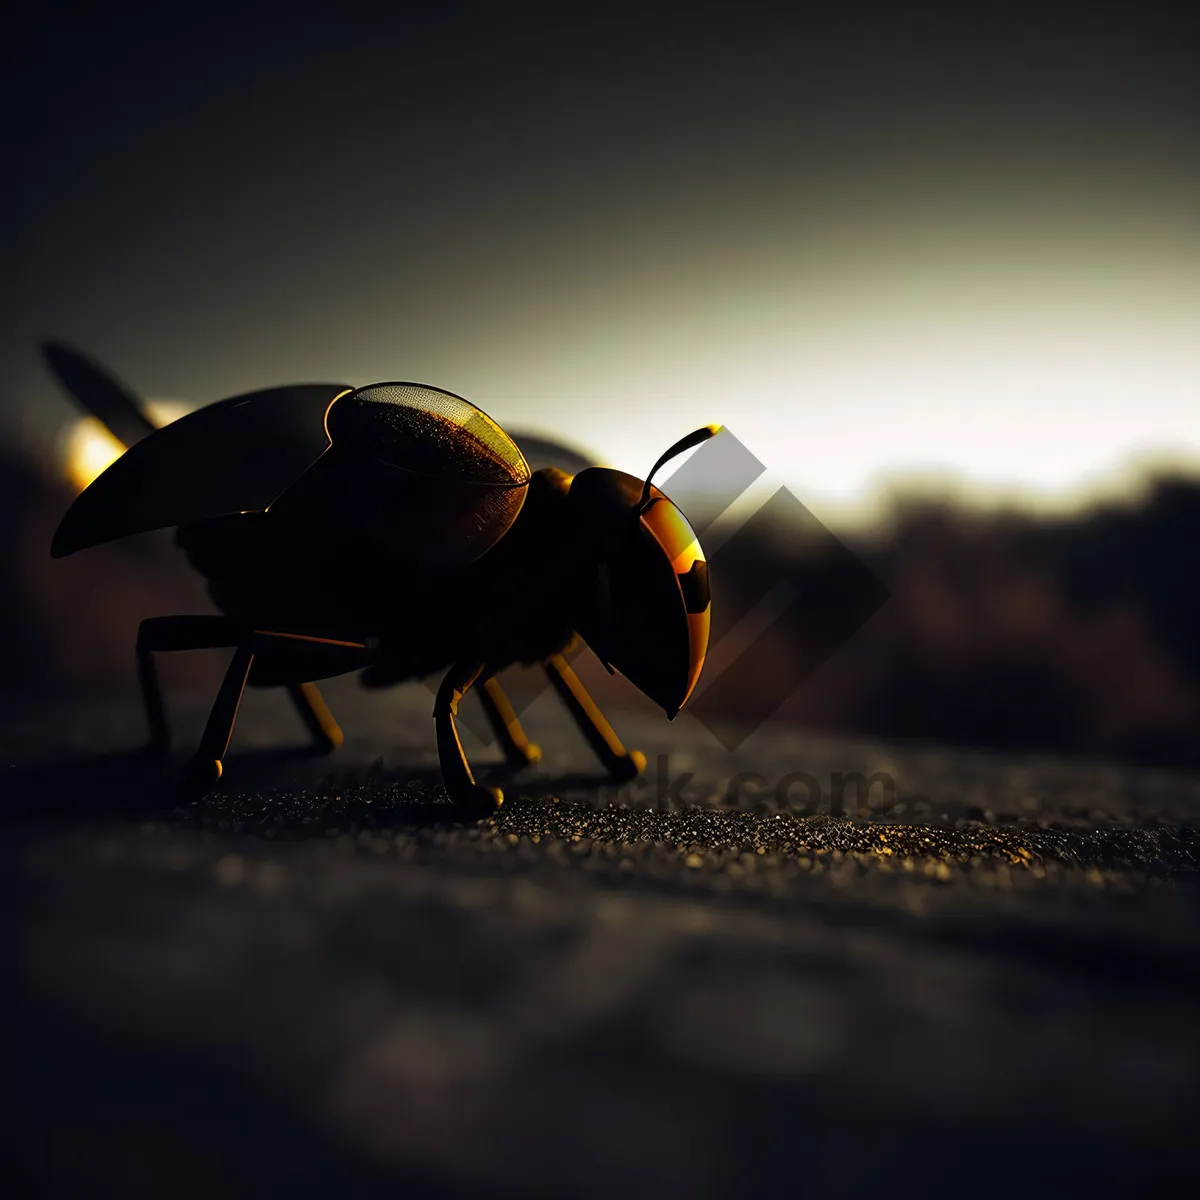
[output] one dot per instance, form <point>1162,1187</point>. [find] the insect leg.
<point>314,712</point>
<point>152,701</point>
<point>474,799</point>
<point>212,632</point>
<point>172,633</point>
<point>519,751</point>
<point>205,767</point>
<point>620,763</point>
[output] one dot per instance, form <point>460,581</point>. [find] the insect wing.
<point>236,455</point>
<point>98,393</point>
<point>421,472</point>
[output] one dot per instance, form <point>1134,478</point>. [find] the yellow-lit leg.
<point>210,632</point>
<point>472,799</point>
<point>318,720</point>
<point>519,751</point>
<point>621,764</point>
<point>205,767</point>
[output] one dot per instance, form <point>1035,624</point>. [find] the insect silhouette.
<point>398,531</point>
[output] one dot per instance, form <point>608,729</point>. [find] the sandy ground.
<point>982,978</point>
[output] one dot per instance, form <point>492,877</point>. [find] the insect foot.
<point>200,776</point>
<point>531,756</point>
<point>628,767</point>
<point>476,802</point>
<point>205,771</point>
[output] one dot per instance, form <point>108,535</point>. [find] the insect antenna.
<point>685,443</point>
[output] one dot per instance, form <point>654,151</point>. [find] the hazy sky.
<point>869,241</point>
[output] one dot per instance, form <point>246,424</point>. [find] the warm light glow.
<point>991,404</point>
<point>1041,364</point>
<point>89,448</point>
<point>672,531</point>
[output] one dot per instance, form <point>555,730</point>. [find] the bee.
<point>395,530</point>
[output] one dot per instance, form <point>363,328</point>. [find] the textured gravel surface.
<point>980,977</point>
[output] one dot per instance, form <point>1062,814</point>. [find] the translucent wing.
<point>236,455</point>
<point>419,428</point>
<point>422,473</point>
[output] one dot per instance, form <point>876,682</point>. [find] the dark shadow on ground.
<point>274,781</point>
<point>124,783</point>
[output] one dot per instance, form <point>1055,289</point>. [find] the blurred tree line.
<point>1072,634</point>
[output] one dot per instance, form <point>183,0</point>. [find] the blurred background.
<point>937,267</point>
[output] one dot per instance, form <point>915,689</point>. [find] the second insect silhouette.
<point>396,530</point>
